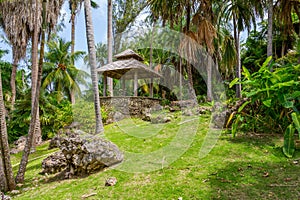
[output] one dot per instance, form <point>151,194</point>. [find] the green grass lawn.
<point>246,167</point>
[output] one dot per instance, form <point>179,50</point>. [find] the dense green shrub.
<point>273,96</point>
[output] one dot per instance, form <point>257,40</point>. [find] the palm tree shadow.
<point>66,175</point>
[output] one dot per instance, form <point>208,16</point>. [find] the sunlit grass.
<point>246,167</point>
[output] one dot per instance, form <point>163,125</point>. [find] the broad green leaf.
<point>295,95</point>
<point>235,126</point>
<point>233,82</point>
<point>230,118</point>
<point>289,144</point>
<point>252,93</point>
<point>288,104</point>
<point>246,73</point>
<point>266,63</point>
<point>296,122</point>
<point>268,103</point>
<point>243,106</point>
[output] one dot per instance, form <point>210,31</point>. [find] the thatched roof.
<point>126,69</point>
<point>127,54</point>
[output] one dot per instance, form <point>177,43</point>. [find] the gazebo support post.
<point>151,88</point>
<point>104,86</point>
<point>135,84</point>
<point>123,87</point>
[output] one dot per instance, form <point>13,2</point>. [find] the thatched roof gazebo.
<point>129,66</point>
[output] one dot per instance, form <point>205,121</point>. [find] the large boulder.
<point>87,153</point>
<point>54,163</point>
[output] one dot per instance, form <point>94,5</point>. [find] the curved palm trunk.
<point>92,58</point>
<point>238,64</point>
<point>7,178</point>
<point>109,44</point>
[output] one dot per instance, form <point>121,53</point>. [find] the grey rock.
<point>5,197</point>
<point>87,153</point>
<point>118,116</point>
<point>54,142</point>
<point>54,163</point>
<point>187,112</point>
<point>111,181</point>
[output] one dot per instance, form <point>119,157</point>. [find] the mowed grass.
<point>245,167</point>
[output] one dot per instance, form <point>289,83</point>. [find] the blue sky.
<point>99,22</point>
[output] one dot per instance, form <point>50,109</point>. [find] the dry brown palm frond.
<point>18,21</point>
<point>189,46</point>
<point>206,33</point>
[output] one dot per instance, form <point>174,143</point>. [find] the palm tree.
<point>92,55</point>
<point>283,11</point>
<point>61,76</point>
<point>242,13</point>
<point>17,34</point>
<point>75,6</point>
<point>7,179</point>
<point>101,55</point>
<point>53,9</point>
<point>270,28</point>
<point>109,44</point>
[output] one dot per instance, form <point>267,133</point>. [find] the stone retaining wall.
<point>130,106</point>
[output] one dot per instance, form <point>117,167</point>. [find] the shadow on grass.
<point>256,180</point>
<point>65,175</point>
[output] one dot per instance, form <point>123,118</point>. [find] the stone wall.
<point>122,107</point>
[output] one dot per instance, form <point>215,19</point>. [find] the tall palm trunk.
<point>109,43</point>
<point>189,67</point>
<point>73,15</point>
<point>270,28</point>
<point>238,59</point>
<point>13,81</point>
<point>35,99</point>
<point>92,58</point>
<point>209,78</point>
<point>7,178</point>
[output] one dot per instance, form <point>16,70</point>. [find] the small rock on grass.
<point>111,181</point>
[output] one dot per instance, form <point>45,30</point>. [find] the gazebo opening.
<point>128,66</point>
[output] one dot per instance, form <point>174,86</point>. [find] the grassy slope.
<point>242,168</point>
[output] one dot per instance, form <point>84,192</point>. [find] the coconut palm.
<point>60,74</point>
<point>53,9</point>
<point>7,179</point>
<point>283,11</point>
<point>92,56</point>
<point>242,14</point>
<point>75,6</point>
<point>101,54</point>
<point>17,33</point>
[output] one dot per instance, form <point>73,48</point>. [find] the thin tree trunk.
<point>270,28</point>
<point>5,164</point>
<point>209,80</point>
<point>35,99</point>
<point>3,182</point>
<point>72,98</point>
<point>34,76</point>
<point>92,58</point>
<point>13,82</point>
<point>238,64</point>
<point>73,7</point>
<point>109,44</point>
